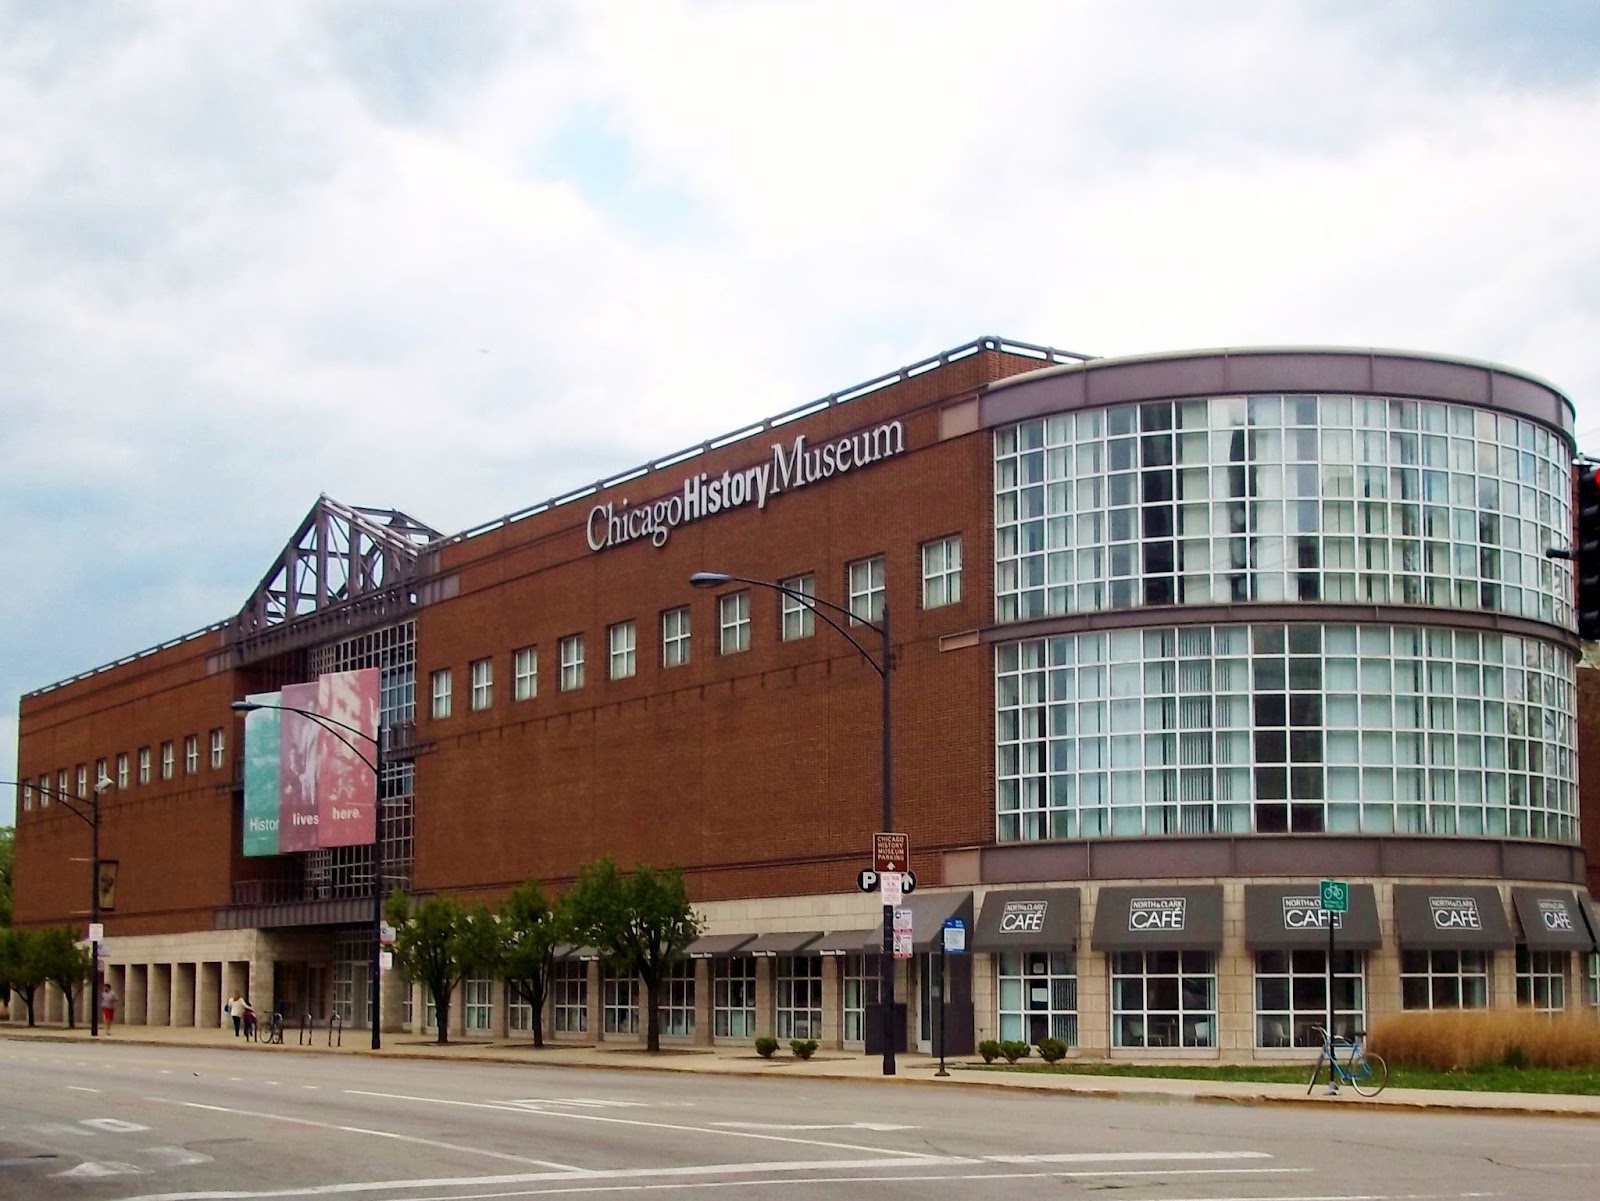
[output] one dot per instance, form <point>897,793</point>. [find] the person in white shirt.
<point>235,1010</point>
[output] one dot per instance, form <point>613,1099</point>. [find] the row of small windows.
<point>865,589</point>
<point>77,783</point>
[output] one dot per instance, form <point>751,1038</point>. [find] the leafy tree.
<point>64,963</point>
<point>8,848</point>
<point>530,928</point>
<point>642,923</point>
<point>440,944</point>
<point>21,965</point>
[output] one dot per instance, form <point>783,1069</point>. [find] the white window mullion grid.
<point>1163,999</point>
<point>191,754</point>
<point>860,989</point>
<point>865,578</point>
<point>482,684</point>
<point>218,751</point>
<point>525,674</point>
<point>442,688</point>
<point>122,770</point>
<point>478,999</point>
<point>620,1004</point>
<point>733,997</point>
<point>569,985</point>
<point>676,1007</point>
<point>1292,996</point>
<point>733,612</point>
<point>624,639</point>
<point>1036,996</point>
<point>1444,979</point>
<point>797,617</point>
<point>675,637</point>
<point>1542,979</point>
<point>798,987</point>
<point>571,650</point>
<point>941,572</point>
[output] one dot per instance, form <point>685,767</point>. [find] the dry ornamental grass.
<point>1463,1039</point>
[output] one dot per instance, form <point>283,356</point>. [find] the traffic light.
<point>1588,551</point>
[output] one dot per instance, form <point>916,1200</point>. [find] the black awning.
<point>1552,919</point>
<point>1179,917</point>
<point>708,946</point>
<point>792,942</point>
<point>1288,917</point>
<point>844,942</point>
<point>929,912</point>
<point>1037,919</point>
<point>1451,917</point>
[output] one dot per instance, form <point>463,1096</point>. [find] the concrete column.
<point>159,1008</point>
<point>832,1001</point>
<point>208,996</point>
<point>392,988</point>
<point>183,994</point>
<point>703,988</point>
<point>1094,1004</point>
<point>597,1025</point>
<point>1503,979</point>
<point>766,996</point>
<point>135,997</point>
<point>985,999</point>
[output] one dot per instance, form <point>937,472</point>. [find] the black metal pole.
<point>886,974</point>
<point>1333,1081</point>
<point>944,995</point>
<point>375,968</point>
<point>94,912</point>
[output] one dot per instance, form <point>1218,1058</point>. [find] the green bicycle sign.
<point>1336,896</point>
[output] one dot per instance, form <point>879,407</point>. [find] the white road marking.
<point>114,1125</point>
<point>588,1102</point>
<point>78,1088</point>
<point>880,1127</point>
<point>312,1087</point>
<point>175,1157</point>
<point>404,1138</point>
<point>505,1106</point>
<point>1127,1157</point>
<point>59,1128</point>
<point>101,1169</point>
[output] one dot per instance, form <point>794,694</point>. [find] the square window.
<point>675,637</point>
<point>941,572</point>
<point>218,749</point>
<point>482,695</point>
<point>571,651</point>
<point>866,588</point>
<point>796,616</point>
<point>624,639</point>
<point>443,688</point>
<point>525,674</point>
<point>734,612</point>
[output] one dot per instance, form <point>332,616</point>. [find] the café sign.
<point>1157,913</point>
<point>791,466</point>
<point>1455,913</point>
<point>1306,913</point>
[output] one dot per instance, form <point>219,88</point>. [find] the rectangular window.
<point>83,780</point>
<point>191,754</point>
<point>733,997</point>
<point>675,637</point>
<point>443,688</point>
<point>519,1013</point>
<point>571,662</point>
<point>1163,999</point>
<point>482,683</point>
<point>1036,995</point>
<point>941,572</point>
<point>799,996</point>
<point>569,989</point>
<point>733,611</point>
<point>677,1000</point>
<point>861,982</point>
<point>122,770</point>
<point>218,748</point>
<point>797,618</point>
<point>27,796</point>
<point>1292,996</point>
<point>99,773</point>
<point>478,992</point>
<point>624,639</point>
<point>168,760</point>
<point>1592,973</point>
<point>620,1003</point>
<point>1444,979</point>
<point>44,791</point>
<point>62,784</point>
<point>144,765</point>
<point>1542,979</point>
<point>865,578</point>
<point>525,674</point>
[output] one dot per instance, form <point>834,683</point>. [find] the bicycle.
<point>1362,1070</point>
<point>273,1031</point>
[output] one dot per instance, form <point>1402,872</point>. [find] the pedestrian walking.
<point>236,1012</point>
<point>108,1007</point>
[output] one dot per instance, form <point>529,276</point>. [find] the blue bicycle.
<point>1361,1069</point>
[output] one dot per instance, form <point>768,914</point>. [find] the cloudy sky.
<point>456,257</point>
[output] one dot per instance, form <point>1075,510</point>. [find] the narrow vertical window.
<point>865,577</point>
<point>443,689</point>
<point>797,617</point>
<point>941,572</point>
<point>734,611</point>
<point>191,754</point>
<point>218,748</point>
<point>675,637</point>
<point>624,639</point>
<point>482,683</point>
<point>571,662</point>
<point>525,674</point>
<point>122,770</point>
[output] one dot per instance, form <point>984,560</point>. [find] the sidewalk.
<point>743,1061</point>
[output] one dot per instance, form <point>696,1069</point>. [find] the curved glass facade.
<point>1285,728</point>
<point>1281,498</point>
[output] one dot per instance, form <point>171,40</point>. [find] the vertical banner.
<point>261,756</point>
<point>300,749</point>
<point>347,790</point>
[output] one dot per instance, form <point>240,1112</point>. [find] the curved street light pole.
<point>883,665</point>
<point>91,818</point>
<point>329,724</point>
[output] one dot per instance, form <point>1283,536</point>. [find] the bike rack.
<point>307,1029</point>
<point>336,1026</point>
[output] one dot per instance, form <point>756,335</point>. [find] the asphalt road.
<point>177,1124</point>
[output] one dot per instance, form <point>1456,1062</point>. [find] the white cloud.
<point>457,260</point>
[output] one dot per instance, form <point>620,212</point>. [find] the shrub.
<point>766,1047</point>
<point>1052,1050</point>
<point>1451,1040</point>
<point>1014,1050</point>
<point>989,1048</point>
<point>803,1048</point>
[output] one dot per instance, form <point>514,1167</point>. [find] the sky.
<point>457,257</point>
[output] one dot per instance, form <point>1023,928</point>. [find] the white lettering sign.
<point>1555,917</point>
<point>1156,913</point>
<point>1307,913</point>
<point>1023,917</point>
<point>792,466</point>
<point>1455,913</point>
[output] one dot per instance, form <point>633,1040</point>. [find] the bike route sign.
<point>1336,896</point>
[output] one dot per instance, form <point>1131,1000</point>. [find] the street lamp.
<point>328,724</point>
<point>91,818</point>
<point>883,665</point>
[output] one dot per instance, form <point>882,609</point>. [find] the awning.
<point>791,943</point>
<point>708,946</point>
<point>844,942</point>
<point>1451,917</point>
<point>929,912</point>
<point>1288,917</point>
<point>566,950</point>
<point>1179,917</point>
<point>1552,919</point>
<point>1036,919</point>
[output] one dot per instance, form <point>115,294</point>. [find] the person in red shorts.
<point>108,1006</point>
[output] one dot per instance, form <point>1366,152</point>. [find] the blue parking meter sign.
<point>955,935</point>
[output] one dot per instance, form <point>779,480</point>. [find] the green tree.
<point>8,850</point>
<point>21,965</point>
<point>530,928</point>
<point>64,963</point>
<point>440,944</point>
<point>641,923</point>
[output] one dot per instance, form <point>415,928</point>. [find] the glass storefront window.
<point>1036,995</point>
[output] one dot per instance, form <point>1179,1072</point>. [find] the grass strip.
<point>1571,1081</point>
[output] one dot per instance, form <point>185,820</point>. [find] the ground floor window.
<point>861,980</point>
<point>1292,996</point>
<point>430,1010</point>
<point>1593,975</point>
<point>677,1000</point>
<point>569,992</point>
<point>1444,979</point>
<point>619,1000</point>
<point>733,997</point>
<point>1037,996</point>
<point>519,1014</point>
<point>1541,979</point>
<point>408,1006</point>
<point>799,996</point>
<point>477,993</point>
<point>1163,999</point>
